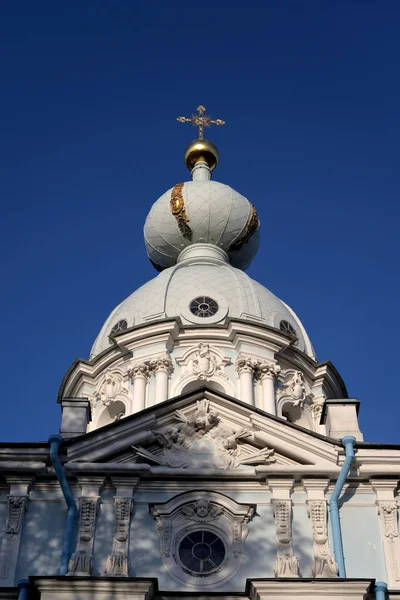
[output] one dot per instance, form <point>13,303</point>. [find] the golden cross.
<point>201,120</point>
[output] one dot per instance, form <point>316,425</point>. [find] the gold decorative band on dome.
<point>177,205</point>
<point>248,231</point>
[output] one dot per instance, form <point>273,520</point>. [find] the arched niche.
<point>113,412</point>
<point>295,414</point>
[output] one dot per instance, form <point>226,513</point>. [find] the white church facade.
<point>203,449</point>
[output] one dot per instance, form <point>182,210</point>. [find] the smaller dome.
<point>201,211</point>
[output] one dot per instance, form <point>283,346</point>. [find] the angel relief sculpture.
<point>202,440</point>
<point>201,511</point>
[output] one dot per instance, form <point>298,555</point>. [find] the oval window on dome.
<point>203,306</point>
<point>118,327</point>
<point>201,553</point>
<point>288,328</point>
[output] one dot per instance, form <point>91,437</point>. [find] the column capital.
<point>140,370</point>
<point>246,364</point>
<point>267,370</point>
<point>162,364</point>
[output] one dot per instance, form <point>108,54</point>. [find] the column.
<point>17,503</point>
<point>140,377</point>
<point>245,367</point>
<point>81,561</point>
<point>267,373</point>
<point>162,368</point>
<point>286,564</point>
<point>387,509</point>
<point>324,564</point>
<point>117,563</point>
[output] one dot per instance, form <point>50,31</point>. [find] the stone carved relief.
<point>286,564</point>
<point>324,565</point>
<point>81,561</point>
<point>202,440</point>
<point>202,511</point>
<point>246,364</point>
<point>295,389</point>
<point>117,563</point>
<point>112,385</point>
<point>16,510</point>
<point>387,509</point>
<point>203,362</point>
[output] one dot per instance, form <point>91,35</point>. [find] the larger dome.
<point>201,211</point>
<point>203,274</point>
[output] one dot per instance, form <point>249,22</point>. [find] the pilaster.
<point>387,509</point>
<point>17,504</point>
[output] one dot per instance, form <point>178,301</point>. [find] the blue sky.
<point>90,91</point>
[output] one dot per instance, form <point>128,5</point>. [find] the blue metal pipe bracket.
<point>55,441</point>
<point>348,442</point>
<point>23,586</point>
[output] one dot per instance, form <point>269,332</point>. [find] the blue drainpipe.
<point>380,590</point>
<point>23,586</point>
<point>348,442</point>
<point>55,441</point>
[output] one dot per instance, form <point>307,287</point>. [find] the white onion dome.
<point>203,288</point>
<point>201,211</point>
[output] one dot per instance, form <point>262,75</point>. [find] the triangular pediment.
<point>208,430</point>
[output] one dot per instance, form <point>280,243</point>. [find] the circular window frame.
<point>186,568</point>
<point>181,573</point>
<point>186,313</point>
<point>204,304</point>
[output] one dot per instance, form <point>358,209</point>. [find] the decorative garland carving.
<point>324,564</point>
<point>203,440</point>
<point>295,389</point>
<point>387,509</point>
<point>248,231</point>
<point>177,205</point>
<point>117,563</point>
<point>286,564</point>
<point>16,510</point>
<point>81,561</point>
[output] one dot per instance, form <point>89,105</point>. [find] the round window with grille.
<point>201,553</point>
<point>203,306</point>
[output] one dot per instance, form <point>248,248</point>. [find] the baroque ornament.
<point>81,561</point>
<point>295,389</point>
<point>203,440</point>
<point>248,231</point>
<point>286,564</point>
<point>387,509</point>
<point>202,511</point>
<point>177,205</point>
<point>117,563</point>
<point>16,510</point>
<point>324,565</point>
<point>112,385</point>
<point>203,362</point>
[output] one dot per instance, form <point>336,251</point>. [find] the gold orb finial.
<point>201,149</point>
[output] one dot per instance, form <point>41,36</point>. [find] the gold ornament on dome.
<point>177,205</point>
<point>248,231</point>
<point>201,120</point>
